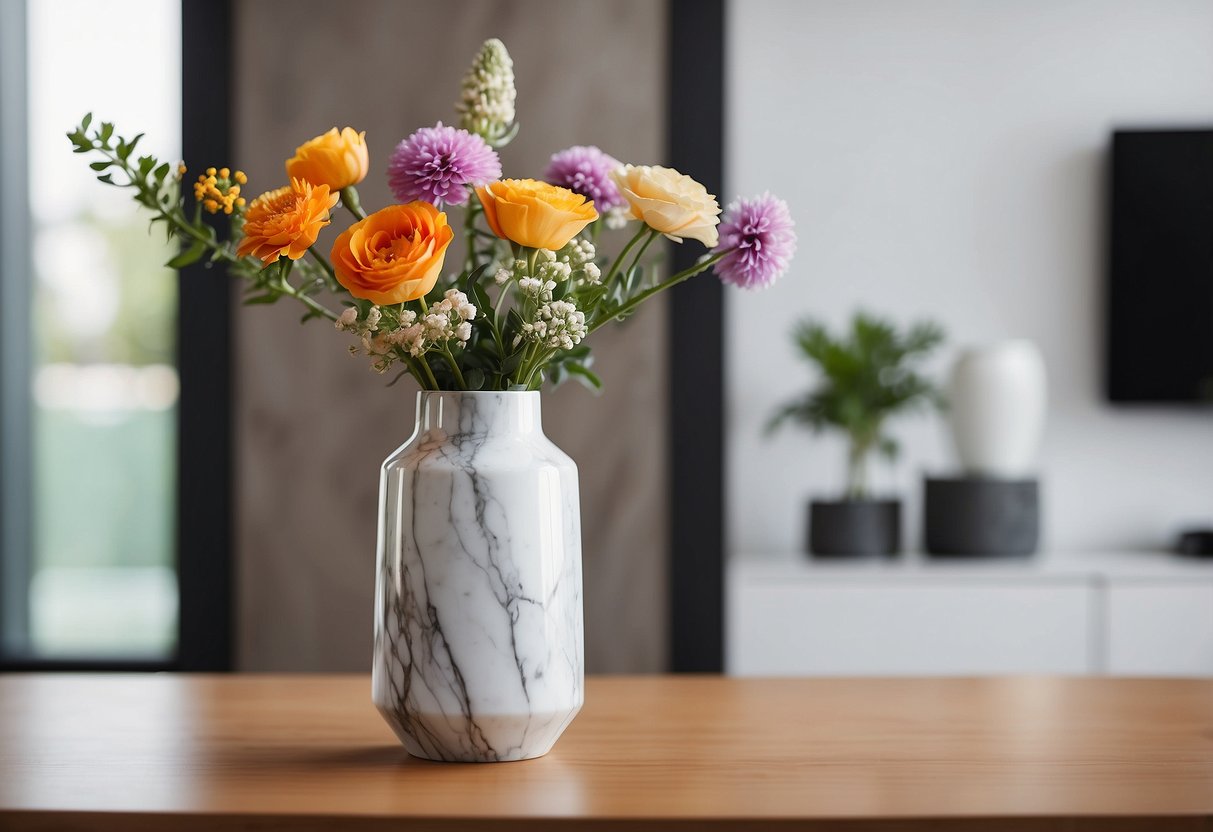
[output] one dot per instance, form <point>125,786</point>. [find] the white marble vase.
<point>478,625</point>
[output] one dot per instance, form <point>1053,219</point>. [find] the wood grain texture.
<point>213,753</point>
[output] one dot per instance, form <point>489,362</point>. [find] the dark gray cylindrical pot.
<point>981,516</point>
<point>853,528</point>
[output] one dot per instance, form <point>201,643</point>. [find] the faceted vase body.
<point>478,621</point>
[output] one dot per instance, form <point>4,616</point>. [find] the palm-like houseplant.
<point>867,376</point>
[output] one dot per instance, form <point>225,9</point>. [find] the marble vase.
<point>478,617</point>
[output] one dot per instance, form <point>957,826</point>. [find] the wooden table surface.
<point>216,753</point>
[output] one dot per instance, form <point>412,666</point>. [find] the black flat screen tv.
<point>1159,336</point>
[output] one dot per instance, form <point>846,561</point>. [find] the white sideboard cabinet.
<point>1123,614</point>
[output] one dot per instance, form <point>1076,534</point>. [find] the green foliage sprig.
<point>868,375</point>
<point>157,187</point>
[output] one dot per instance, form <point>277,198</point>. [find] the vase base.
<point>496,738</point>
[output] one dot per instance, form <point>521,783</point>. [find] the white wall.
<point>943,158</point>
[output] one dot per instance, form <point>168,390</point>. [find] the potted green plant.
<point>867,376</point>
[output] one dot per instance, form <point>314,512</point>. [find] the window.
<point>87,339</point>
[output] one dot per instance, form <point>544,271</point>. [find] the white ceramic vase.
<point>478,618</point>
<point>997,407</point>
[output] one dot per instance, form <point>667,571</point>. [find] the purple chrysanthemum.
<point>586,170</point>
<point>759,238</point>
<point>437,164</point>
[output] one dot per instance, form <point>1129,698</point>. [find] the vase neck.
<point>507,413</point>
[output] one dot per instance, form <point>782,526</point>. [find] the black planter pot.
<point>977,517</point>
<point>854,528</point>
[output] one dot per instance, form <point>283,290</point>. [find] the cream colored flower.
<point>669,202</point>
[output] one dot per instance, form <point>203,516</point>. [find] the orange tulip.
<point>285,221</point>
<point>394,255</point>
<point>334,159</point>
<point>535,214</point>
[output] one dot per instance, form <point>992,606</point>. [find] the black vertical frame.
<point>696,351</point>
<point>204,492</point>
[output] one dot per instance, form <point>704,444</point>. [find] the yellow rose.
<point>393,255</point>
<point>334,159</point>
<point>670,202</point>
<point>535,214</point>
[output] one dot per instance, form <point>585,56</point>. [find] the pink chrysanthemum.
<point>586,170</point>
<point>759,238</point>
<point>437,164</point>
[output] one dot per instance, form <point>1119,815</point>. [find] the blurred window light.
<point>99,581</point>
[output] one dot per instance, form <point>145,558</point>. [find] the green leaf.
<point>512,363</point>
<point>146,163</point>
<point>481,299</point>
<point>86,121</point>
<point>107,130</point>
<point>584,374</point>
<point>475,379</point>
<point>101,165</point>
<point>187,257</point>
<point>474,278</point>
<point>106,178</point>
<point>268,297</point>
<point>161,172</point>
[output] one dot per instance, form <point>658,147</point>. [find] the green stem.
<point>429,373</point>
<point>536,365</point>
<point>450,359</point>
<point>469,231</point>
<point>857,470</point>
<point>644,248</point>
<point>328,269</point>
<point>633,302</point>
<point>495,323</point>
<point>614,269</point>
<point>349,198</point>
<point>287,289</point>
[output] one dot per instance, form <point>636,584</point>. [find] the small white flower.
<point>502,277</point>
<point>372,318</point>
<point>593,274</point>
<point>347,318</point>
<point>578,252</point>
<point>555,272</point>
<point>617,218</point>
<point>463,332</point>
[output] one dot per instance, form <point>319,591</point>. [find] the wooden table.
<point>216,753</point>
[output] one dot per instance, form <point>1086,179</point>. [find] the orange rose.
<point>334,159</point>
<point>393,255</point>
<point>286,221</point>
<point>535,214</point>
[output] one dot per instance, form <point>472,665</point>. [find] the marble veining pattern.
<point>478,627</point>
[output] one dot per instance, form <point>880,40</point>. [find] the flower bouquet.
<point>478,621</point>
